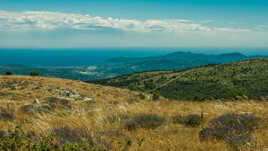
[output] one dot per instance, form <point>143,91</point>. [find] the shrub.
<point>234,129</point>
<point>147,121</point>
<point>45,108</point>
<point>27,108</point>
<point>3,134</point>
<point>238,123</point>
<point>68,135</point>
<point>156,96</point>
<point>34,74</point>
<point>142,96</point>
<point>192,120</point>
<point>123,140</point>
<point>9,73</point>
<point>54,100</point>
<point>130,124</point>
<point>6,116</point>
<point>64,138</point>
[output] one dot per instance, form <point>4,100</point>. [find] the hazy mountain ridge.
<point>125,65</point>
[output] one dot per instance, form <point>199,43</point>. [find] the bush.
<point>6,115</point>
<point>142,96</point>
<point>238,123</point>
<point>27,108</point>
<point>234,129</point>
<point>191,120</point>
<point>156,96</point>
<point>3,134</point>
<point>34,74</point>
<point>130,124</point>
<point>45,108</point>
<point>68,135</point>
<point>64,138</point>
<point>9,73</point>
<point>123,140</point>
<point>147,121</point>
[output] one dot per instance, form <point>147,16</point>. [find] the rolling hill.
<point>246,79</point>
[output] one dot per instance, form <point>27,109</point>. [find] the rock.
<point>36,101</point>
<point>87,99</point>
<point>65,92</point>
<point>12,100</point>
<point>27,108</point>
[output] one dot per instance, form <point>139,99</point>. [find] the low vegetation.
<point>8,73</point>
<point>34,74</point>
<point>147,121</point>
<point>191,120</point>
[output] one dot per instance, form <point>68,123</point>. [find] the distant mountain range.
<point>126,65</point>
<point>247,79</point>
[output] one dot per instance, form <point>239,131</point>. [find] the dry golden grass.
<point>168,137</point>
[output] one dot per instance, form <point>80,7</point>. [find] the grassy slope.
<point>245,79</point>
<point>111,101</point>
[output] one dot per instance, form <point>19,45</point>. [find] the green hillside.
<point>239,80</point>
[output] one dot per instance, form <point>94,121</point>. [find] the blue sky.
<point>125,23</point>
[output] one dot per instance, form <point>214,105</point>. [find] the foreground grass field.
<point>111,118</point>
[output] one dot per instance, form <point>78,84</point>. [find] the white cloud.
<point>232,29</point>
<point>261,27</point>
<point>38,20</point>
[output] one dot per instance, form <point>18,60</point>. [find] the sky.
<point>133,23</point>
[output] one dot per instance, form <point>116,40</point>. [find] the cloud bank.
<point>39,20</point>
<point>40,29</point>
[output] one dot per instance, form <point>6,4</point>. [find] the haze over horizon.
<point>84,23</point>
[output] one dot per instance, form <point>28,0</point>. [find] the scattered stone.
<point>87,99</point>
<point>12,100</point>
<point>36,101</point>
<point>65,92</point>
